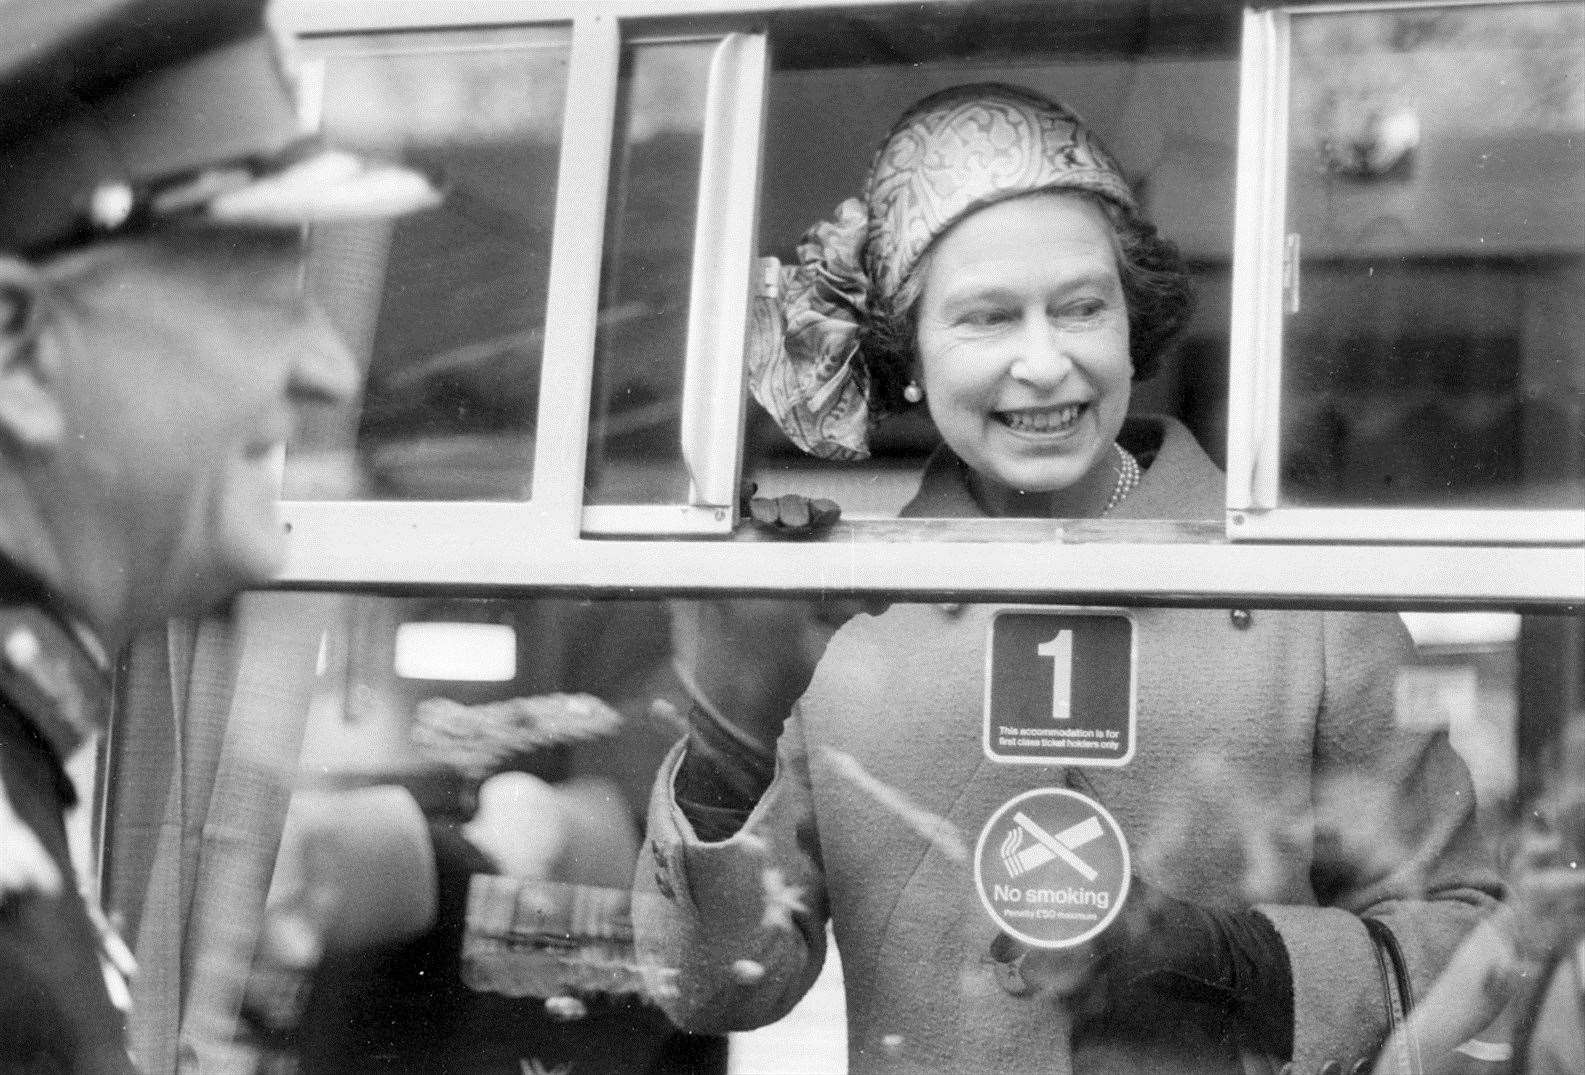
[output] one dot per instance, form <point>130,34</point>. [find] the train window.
<point>667,367</point>
<point>705,136</point>
<point>446,311</point>
<point>1425,378</point>
<point>1162,98</point>
<point>650,222</point>
<point>527,792</point>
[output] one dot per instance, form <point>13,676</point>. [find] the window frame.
<point>546,544</point>
<point>1267,285</point>
<point>714,391</point>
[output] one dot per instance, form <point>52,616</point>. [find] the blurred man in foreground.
<point>156,349</point>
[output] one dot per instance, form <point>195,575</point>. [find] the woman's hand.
<point>746,661</point>
<point>1505,960</point>
<point>1165,958</point>
<point>789,515</point>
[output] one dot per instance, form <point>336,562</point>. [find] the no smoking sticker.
<point>1052,868</point>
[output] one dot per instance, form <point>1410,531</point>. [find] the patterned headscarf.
<point>951,153</point>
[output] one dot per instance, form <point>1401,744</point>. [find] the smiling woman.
<point>1023,354</point>
<point>999,267</point>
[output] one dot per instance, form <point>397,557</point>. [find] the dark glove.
<point>745,661</point>
<point>1227,971</point>
<point>789,515</point>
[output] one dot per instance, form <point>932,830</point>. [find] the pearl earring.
<point>913,393</point>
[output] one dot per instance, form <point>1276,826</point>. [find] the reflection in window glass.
<point>635,454</point>
<point>446,309</point>
<point>457,837</point>
<point>1437,189</point>
<point>522,800</point>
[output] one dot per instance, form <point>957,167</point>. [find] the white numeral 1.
<point>1060,650</point>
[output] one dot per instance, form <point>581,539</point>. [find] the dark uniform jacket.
<point>56,1014</point>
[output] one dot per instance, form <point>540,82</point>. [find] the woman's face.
<point>1023,351</point>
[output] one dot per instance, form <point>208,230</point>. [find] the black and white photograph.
<point>792,537</point>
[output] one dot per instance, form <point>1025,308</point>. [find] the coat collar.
<point>1179,480</point>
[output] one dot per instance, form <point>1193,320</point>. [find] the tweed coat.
<point>1268,761</point>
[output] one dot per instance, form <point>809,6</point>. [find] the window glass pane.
<point>1274,756</point>
<point>446,309</point>
<point>1437,188</point>
<point>635,454</point>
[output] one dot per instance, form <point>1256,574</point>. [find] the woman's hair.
<point>1156,290</point>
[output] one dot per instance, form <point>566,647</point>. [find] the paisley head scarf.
<point>949,154</point>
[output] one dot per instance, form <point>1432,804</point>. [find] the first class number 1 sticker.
<point>1059,687</point>
<point>1052,868</point>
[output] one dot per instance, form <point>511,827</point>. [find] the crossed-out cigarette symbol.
<point>1047,846</point>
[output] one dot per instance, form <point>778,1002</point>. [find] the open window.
<point>668,374</point>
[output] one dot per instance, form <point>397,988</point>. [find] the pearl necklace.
<point>1127,478</point>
